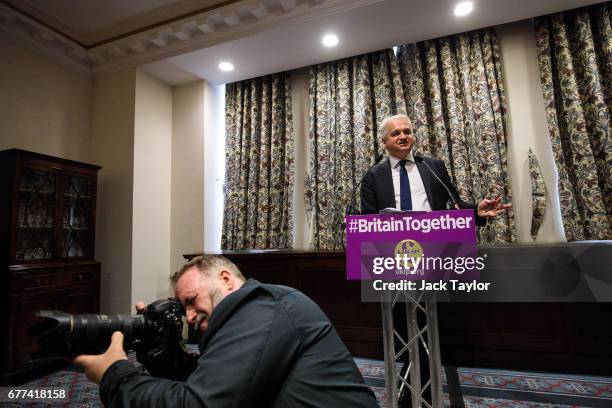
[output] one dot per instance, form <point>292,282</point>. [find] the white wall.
<point>112,147</point>
<point>302,225</point>
<point>46,108</point>
<point>528,128</point>
<point>214,165</point>
<point>163,177</point>
<point>152,189</point>
<point>187,194</point>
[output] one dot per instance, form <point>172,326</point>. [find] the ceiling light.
<point>226,66</point>
<point>464,8</point>
<point>330,40</point>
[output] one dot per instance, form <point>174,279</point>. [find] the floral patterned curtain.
<point>259,164</point>
<point>348,100</point>
<point>455,97</point>
<point>575,56</point>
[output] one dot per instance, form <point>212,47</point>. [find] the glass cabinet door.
<point>35,214</point>
<point>77,217</point>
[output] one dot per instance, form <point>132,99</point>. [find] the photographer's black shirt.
<point>266,346</point>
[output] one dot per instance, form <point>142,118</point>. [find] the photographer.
<point>264,345</point>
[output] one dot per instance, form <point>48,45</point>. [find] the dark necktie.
<point>405,198</point>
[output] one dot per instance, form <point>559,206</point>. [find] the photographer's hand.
<point>140,306</point>
<point>96,366</point>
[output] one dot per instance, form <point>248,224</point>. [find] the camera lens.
<point>63,334</point>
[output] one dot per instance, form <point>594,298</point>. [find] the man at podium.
<point>407,181</point>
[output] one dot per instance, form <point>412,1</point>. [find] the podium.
<point>419,333</point>
<point>398,246</point>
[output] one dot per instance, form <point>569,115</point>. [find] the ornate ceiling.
<point>148,30</point>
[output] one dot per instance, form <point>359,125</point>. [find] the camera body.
<point>155,333</point>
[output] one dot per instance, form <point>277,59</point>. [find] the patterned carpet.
<point>481,388</point>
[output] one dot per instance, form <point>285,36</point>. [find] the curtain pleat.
<point>454,94</point>
<point>575,58</point>
<point>259,164</point>
<point>348,100</point>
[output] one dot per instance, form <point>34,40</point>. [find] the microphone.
<point>419,159</point>
<point>350,208</point>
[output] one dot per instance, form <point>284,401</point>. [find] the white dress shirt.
<point>417,189</point>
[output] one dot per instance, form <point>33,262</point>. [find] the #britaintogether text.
<point>408,223</point>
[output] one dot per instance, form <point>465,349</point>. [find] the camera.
<point>155,333</point>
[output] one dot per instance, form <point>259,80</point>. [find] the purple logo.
<point>413,246</point>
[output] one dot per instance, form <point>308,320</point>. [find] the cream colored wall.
<point>151,193</point>
<point>302,225</point>
<point>46,108</point>
<point>214,168</point>
<point>112,147</point>
<point>164,180</point>
<point>528,128</point>
<point>187,208</point>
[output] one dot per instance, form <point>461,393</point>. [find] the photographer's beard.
<point>216,296</point>
<point>199,323</point>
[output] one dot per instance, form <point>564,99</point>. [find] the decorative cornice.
<point>222,24</point>
<point>44,40</point>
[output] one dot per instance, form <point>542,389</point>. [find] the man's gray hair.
<point>204,264</point>
<point>385,123</point>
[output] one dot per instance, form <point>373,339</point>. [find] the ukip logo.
<point>409,253</point>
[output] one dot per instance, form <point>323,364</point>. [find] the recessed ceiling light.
<point>464,8</point>
<point>330,40</point>
<point>226,66</point>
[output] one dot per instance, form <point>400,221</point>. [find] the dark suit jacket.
<point>377,187</point>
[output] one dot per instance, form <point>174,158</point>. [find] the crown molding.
<point>43,40</point>
<point>235,20</point>
<point>102,31</point>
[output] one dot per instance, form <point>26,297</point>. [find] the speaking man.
<point>411,182</point>
<point>405,181</point>
<point>263,346</point>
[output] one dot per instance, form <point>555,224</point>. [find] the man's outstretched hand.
<point>492,208</point>
<point>96,365</point>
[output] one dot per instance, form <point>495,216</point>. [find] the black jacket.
<point>377,187</point>
<point>266,346</point>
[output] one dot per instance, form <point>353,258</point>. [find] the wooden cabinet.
<point>47,233</point>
